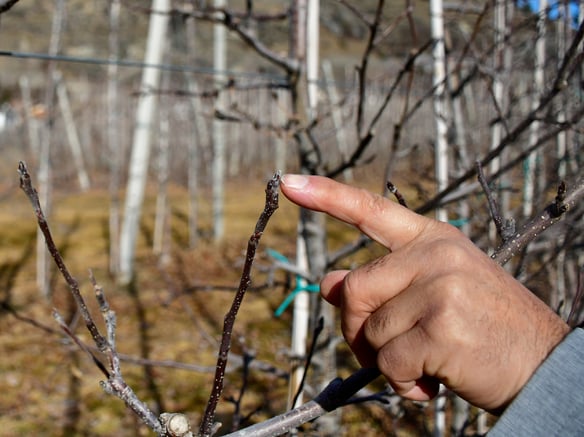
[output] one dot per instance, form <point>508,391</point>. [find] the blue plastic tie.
<point>311,288</point>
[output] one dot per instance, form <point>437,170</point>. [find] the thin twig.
<point>367,136</point>
<point>505,229</point>
<point>248,357</point>
<point>26,186</point>
<point>568,67</point>
<point>393,190</point>
<point>317,331</point>
<point>271,204</point>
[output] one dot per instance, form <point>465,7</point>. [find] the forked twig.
<point>272,193</point>
<point>31,193</point>
<point>114,383</point>
<point>316,333</point>
<point>505,229</point>
<point>565,200</point>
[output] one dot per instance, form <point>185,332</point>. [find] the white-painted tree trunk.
<point>501,65</point>
<point>337,116</point>
<point>219,153</point>
<point>162,215</point>
<point>301,308</point>
<point>562,28</point>
<point>300,318</point>
<point>440,107</point>
<point>199,136</point>
<point>538,88</point>
<point>312,55</point>
<point>441,147</point>
<point>281,142</point>
<point>139,160</point>
<point>71,132</point>
<point>32,124</point>
<point>116,153</point>
<point>44,170</point>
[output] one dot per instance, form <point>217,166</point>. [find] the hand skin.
<point>435,309</point>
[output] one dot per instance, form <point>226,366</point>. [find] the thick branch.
<point>564,202</point>
<point>338,393</point>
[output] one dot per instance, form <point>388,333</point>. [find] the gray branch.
<point>5,5</point>
<point>564,202</point>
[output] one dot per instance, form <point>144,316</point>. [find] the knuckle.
<point>374,204</point>
<point>397,364</point>
<point>377,326</point>
<point>445,316</point>
<point>450,252</point>
<point>351,286</point>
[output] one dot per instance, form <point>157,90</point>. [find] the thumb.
<point>331,286</point>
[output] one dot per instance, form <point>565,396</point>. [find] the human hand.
<point>436,309</point>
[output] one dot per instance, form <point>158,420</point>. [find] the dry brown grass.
<point>41,373</point>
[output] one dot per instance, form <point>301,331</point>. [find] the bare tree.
<point>389,111</point>
<point>141,144</point>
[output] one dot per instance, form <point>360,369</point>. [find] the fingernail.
<point>295,181</point>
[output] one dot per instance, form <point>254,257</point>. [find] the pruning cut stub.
<point>176,424</point>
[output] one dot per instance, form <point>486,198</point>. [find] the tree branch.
<point>564,202</point>
<point>271,204</point>
<point>5,5</point>
<point>114,383</point>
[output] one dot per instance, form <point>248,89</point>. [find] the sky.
<point>534,5</point>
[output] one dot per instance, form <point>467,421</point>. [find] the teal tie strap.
<point>301,284</point>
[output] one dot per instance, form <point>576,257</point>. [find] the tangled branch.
<point>166,425</point>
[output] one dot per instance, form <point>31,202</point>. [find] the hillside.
<point>26,28</point>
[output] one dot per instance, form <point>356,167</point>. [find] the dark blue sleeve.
<point>552,401</point>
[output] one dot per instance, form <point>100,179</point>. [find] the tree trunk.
<point>562,29</point>
<point>301,309</point>
<point>141,143</point>
<point>44,171</point>
<point>198,137</point>
<point>219,154</point>
<point>162,214</point>
<point>32,124</point>
<point>538,89</point>
<point>71,131</point>
<point>281,141</point>
<point>502,59</point>
<point>441,148</point>
<point>337,116</point>
<point>116,154</point>
<point>440,107</point>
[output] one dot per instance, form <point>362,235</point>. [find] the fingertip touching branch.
<point>208,425</point>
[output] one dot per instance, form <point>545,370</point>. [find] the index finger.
<point>384,221</point>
